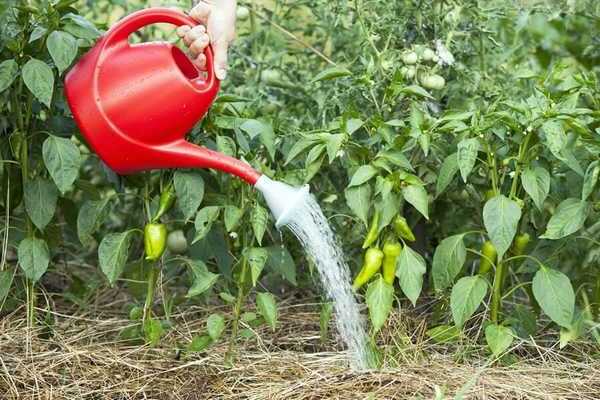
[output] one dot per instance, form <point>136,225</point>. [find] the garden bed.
<point>84,358</point>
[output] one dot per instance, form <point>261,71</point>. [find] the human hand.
<point>217,27</point>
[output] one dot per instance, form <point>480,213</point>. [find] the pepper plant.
<point>457,141</point>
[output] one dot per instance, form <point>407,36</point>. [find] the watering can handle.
<point>119,33</point>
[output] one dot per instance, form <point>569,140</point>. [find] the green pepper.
<point>155,240</point>
<point>402,229</point>
<point>488,258</point>
<point>521,242</point>
<point>391,251</point>
<point>373,231</point>
<point>167,198</point>
<point>371,265</point>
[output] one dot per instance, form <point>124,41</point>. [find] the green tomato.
<point>435,82</point>
<point>410,72</point>
<point>270,108</point>
<point>270,76</point>
<point>409,58</point>
<point>242,13</point>
<point>176,242</point>
<point>428,54</point>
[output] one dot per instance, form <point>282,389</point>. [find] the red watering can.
<point>134,104</point>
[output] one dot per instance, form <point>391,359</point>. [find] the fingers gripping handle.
<point>119,33</point>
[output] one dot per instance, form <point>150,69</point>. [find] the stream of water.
<point>309,225</point>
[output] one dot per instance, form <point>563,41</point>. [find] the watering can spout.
<point>189,155</point>
<point>283,200</point>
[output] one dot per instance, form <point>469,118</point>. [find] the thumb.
<point>220,61</point>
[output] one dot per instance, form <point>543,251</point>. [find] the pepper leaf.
<point>448,260</point>
<point>498,338</point>
<point>189,187</point>
<point>34,258</point>
<point>410,270</point>
<point>568,218</point>
<point>501,218</point>
<point>113,253</point>
<point>554,293</point>
<point>379,297</point>
<point>267,306</point>
<point>62,159</point>
<point>467,295</point>
<point>536,182</point>
<point>39,79</point>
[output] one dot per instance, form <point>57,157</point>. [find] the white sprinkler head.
<point>281,198</point>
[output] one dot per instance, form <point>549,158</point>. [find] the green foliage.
<point>379,298</point>
<point>34,257</point>
<point>467,295</point>
<point>508,143</point>
<point>267,306</point>
<point>498,338</point>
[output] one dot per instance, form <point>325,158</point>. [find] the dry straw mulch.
<point>85,359</point>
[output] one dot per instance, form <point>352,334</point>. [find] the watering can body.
<point>134,104</point>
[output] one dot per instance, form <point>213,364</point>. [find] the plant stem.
<point>152,278</point>
<point>493,170</point>
<point>496,306</point>
<point>237,310</point>
<point>522,153</point>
